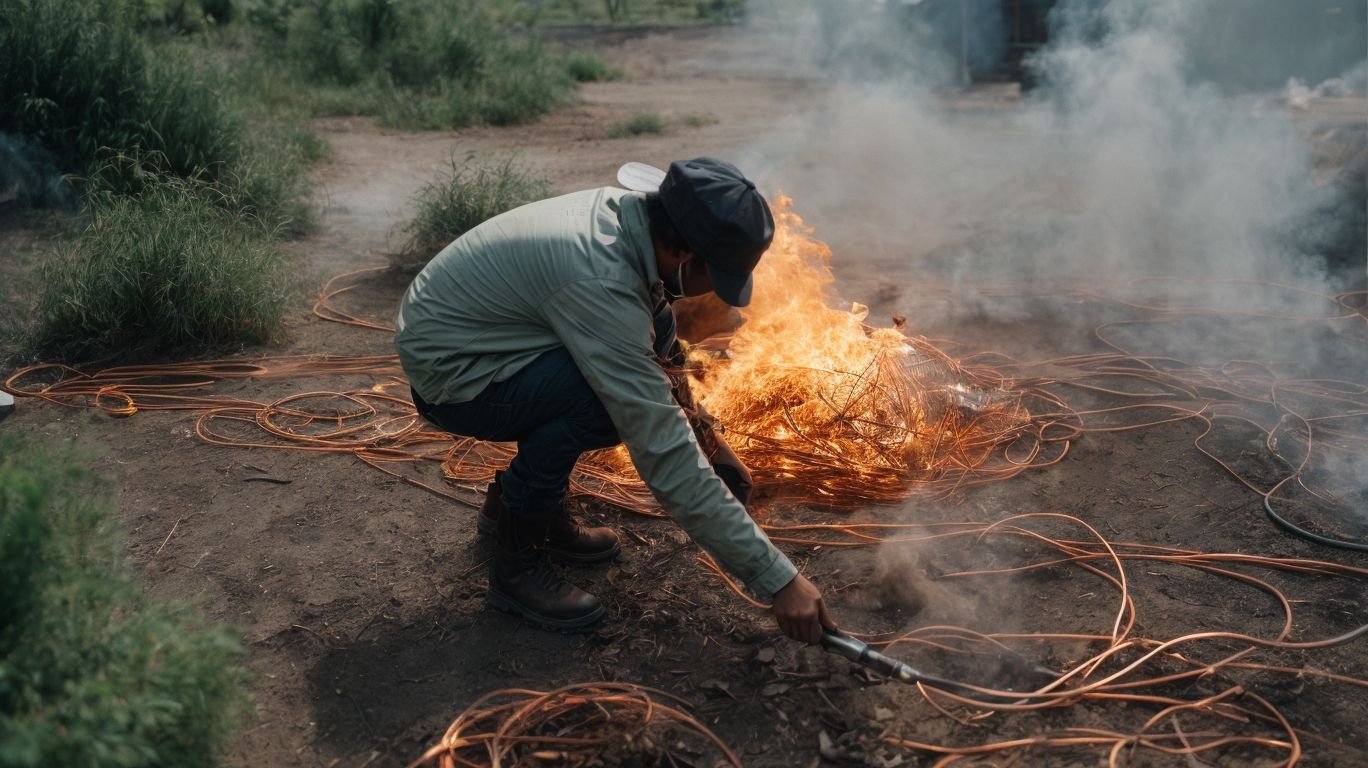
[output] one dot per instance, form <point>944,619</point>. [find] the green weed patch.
<point>585,67</point>
<point>637,125</point>
<point>81,86</point>
<point>165,269</point>
<point>93,672</point>
<point>472,193</point>
<point>418,64</point>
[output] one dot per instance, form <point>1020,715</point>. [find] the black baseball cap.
<point>720,214</point>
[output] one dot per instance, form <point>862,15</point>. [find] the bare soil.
<point>361,598</point>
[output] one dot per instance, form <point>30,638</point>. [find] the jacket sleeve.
<point>607,329</point>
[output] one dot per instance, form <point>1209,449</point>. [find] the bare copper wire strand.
<point>504,726</point>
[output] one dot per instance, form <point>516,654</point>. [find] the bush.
<point>78,81</point>
<point>418,64</point>
<point>270,182</point>
<point>92,672</point>
<point>165,268</point>
<point>523,85</point>
<point>637,125</point>
<point>585,67</point>
<point>473,193</point>
<point>71,75</point>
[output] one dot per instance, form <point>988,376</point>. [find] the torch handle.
<point>859,652</point>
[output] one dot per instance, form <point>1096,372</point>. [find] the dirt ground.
<point>361,598</point>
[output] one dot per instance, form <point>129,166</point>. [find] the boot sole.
<point>502,602</point>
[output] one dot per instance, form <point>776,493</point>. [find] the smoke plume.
<point>1202,142</point>
<point>29,177</point>
<point>1142,152</point>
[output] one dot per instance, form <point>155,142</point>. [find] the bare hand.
<point>800,612</point>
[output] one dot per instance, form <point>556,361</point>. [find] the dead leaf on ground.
<point>775,689</point>
<point>827,748</point>
<point>716,685</point>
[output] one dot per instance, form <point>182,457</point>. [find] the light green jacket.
<point>576,272</point>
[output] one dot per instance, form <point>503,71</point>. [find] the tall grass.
<point>473,192</point>
<point>71,76</point>
<point>417,64</point>
<point>159,271</point>
<point>585,67</point>
<point>637,125</point>
<point>92,671</point>
<point>79,81</point>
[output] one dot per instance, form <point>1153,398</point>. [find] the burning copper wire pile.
<point>825,409</point>
<point>578,725</point>
<point>830,410</point>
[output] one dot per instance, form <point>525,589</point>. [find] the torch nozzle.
<point>859,652</point>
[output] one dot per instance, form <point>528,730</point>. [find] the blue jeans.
<point>553,415</point>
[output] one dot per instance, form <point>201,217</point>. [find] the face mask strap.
<point>674,286</point>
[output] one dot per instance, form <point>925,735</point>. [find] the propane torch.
<point>859,652</point>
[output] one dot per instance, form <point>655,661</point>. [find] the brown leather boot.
<point>522,581</point>
<point>566,540</point>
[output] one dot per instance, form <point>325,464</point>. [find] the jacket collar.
<point>637,231</point>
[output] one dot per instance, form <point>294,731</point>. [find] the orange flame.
<point>800,371</point>
<point>825,408</point>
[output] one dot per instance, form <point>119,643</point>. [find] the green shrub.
<point>523,85</point>
<point>92,672</point>
<point>417,64</point>
<point>166,268</point>
<point>270,16</point>
<point>185,16</point>
<point>78,81</point>
<point>320,45</point>
<point>637,125</point>
<point>585,67</point>
<point>70,76</point>
<point>472,193</point>
<point>270,182</point>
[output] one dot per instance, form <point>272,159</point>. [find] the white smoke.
<point>1351,83</point>
<point>1163,141</point>
<point>28,176</point>
<point>1134,158</point>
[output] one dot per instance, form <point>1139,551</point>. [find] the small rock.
<point>765,656</point>
<point>883,713</point>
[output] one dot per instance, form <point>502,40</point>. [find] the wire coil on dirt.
<point>578,725</point>
<point>1193,677</point>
